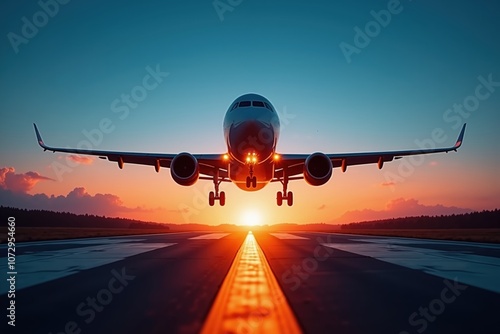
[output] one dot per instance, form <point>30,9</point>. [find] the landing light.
<point>251,157</point>
<point>276,157</point>
<point>225,157</point>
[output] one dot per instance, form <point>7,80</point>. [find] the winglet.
<point>39,138</point>
<point>460,137</point>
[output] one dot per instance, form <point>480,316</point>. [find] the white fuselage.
<point>251,131</point>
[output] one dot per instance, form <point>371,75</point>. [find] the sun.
<point>251,218</point>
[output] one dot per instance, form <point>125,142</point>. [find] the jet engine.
<point>185,169</point>
<point>317,169</point>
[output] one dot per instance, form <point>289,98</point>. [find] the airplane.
<point>251,130</point>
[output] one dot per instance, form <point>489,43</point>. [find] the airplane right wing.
<point>294,163</point>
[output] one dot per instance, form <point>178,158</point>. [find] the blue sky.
<point>394,91</point>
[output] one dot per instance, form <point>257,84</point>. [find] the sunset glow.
<point>159,77</point>
<point>251,218</point>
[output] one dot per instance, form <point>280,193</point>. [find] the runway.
<point>362,284</point>
<point>333,283</point>
<point>142,284</point>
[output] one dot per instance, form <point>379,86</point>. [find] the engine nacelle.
<point>185,169</point>
<point>318,169</point>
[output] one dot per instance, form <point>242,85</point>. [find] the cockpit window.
<point>245,104</point>
<point>260,104</point>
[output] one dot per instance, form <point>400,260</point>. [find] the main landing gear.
<point>287,196</point>
<point>213,196</point>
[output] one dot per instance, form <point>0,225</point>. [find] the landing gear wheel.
<point>284,195</point>
<point>214,196</point>
<point>249,180</point>
<point>279,198</point>
<point>254,182</point>
<point>222,198</point>
<point>211,198</point>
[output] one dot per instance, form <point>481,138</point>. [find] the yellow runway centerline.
<point>250,299</point>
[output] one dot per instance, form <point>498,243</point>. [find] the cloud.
<point>19,183</point>
<point>400,207</point>
<point>81,160</point>
<point>14,189</point>
<point>77,201</point>
<point>388,184</point>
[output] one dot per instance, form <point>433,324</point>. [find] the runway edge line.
<point>250,299</point>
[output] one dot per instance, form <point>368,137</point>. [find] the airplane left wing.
<point>294,163</point>
<point>209,163</point>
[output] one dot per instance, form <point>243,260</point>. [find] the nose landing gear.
<point>251,180</point>
<point>251,161</point>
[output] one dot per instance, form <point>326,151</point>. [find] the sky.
<point>344,77</point>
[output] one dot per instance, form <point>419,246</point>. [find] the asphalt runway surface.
<point>333,283</point>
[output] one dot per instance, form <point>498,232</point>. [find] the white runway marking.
<point>210,236</point>
<point>286,236</point>
<point>477,270</point>
<point>44,266</point>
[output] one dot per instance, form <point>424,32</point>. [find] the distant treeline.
<point>44,218</point>
<point>483,219</point>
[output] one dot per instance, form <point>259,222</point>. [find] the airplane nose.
<point>252,136</point>
<point>249,127</point>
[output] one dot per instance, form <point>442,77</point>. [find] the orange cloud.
<point>388,184</point>
<point>400,207</point>
<point>20,183</point>
<point>81,160</point>
<point>77,201</point>
<point>14,189</point>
